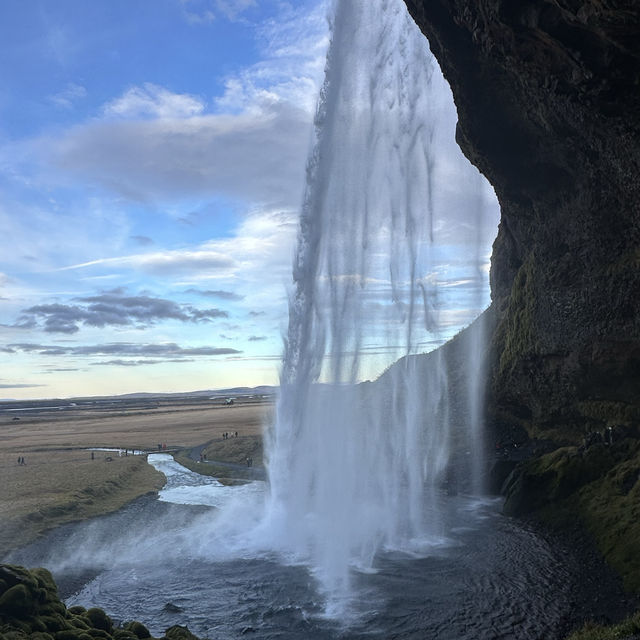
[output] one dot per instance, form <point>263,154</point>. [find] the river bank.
<point>61,481</point>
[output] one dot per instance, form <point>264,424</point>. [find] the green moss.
<point>518,326</point>
<point>68,634</point>
<point>55,622</point>
<point>121,634</point>
<point>33,611</point>
<point>17,602</point>
<point>99,633</point>
<point>610,508</point>
<point>599,487</point>
<point>138,629</point>
<point>625,629</point>
<point>179,633</point>
<point>99,619</point>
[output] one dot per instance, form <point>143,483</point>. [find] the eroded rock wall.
<point>548,98</point>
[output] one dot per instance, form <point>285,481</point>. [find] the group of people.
<point>21,461</point>
<point>226,435</point>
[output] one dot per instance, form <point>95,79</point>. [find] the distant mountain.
<point>221,393</point>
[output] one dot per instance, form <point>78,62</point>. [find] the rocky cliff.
<point>548,98</point>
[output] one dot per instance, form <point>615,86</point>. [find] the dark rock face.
<point>548,98</point>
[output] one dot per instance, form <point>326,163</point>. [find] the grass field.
<point>60,482</point>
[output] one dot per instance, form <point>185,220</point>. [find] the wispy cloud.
<point>220,294</point>
<point>19,386</point>
<point>143,241</point>
<point>68,96</point>
<point>161,350</point>
<point>137,363</point>
<point>153,101</point>
<point>207,11</point>
<point>166,262</point>
<point>111,309</point>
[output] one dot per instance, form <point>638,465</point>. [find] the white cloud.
<point>231,9</point>
<point>293,48</point>
<point>68,95</point>
<point>165,262</point>
<point>154,101</point>
<point>257,256</point>
<point>256,156</point>
<point>206,11</point>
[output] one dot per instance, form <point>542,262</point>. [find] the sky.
<point>152,166</point>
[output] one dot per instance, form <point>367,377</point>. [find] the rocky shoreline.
<point>31,608</point>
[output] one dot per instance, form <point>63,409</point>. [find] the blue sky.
<point>152,158</point>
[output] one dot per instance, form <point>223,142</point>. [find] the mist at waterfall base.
<point>353,536</point>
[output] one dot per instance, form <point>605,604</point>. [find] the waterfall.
<point>358,467</point>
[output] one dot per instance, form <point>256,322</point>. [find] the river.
<point>199,556</point>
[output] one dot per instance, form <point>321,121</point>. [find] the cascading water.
<point>354,468</point>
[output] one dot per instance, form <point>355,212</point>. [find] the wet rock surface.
<point>549,110</point>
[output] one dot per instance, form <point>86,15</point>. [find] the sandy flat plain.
<point>59,481</point>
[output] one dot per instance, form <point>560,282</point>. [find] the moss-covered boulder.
<point>30,608</point>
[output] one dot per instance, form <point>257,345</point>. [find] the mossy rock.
<point>553,477</point>
<point>37,624</point>
<point>122,634</point>
<point>14,634</point>
<point>17,602</point>
<point>179,633</point>
<point>55,622</point>
<point>17,626</point>
<point>99,619</point>
<point>76,609</point>
<point>79,622</point>
<point>138,629</point>
<point>45,580</point>
<point>99,633</point>
<point>13,574</point>
<point>69,634</point>
<point>41,635</point>
<point>56,607</point>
